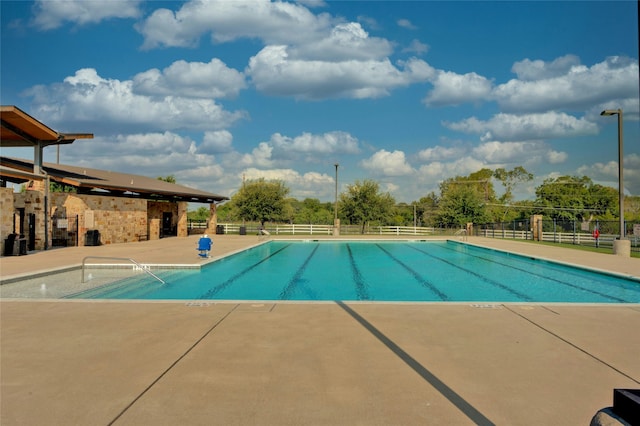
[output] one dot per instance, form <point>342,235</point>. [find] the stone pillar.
<point>622,247</point>
<point>213,220</point>
<point>182,219</point>
<point>7,211</point>
<point>536,227</point>
<point>34,203</point>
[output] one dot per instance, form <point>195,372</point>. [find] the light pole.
<point>620,246</point>
<point>336,224</point>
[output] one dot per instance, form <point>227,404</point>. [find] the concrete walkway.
<point>217,363</point>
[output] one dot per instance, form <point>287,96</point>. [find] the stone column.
<point>622,247</point>
<point>7,211</point>
<point>182,219</point>
<point>213,219</point>
<point>536,227</point>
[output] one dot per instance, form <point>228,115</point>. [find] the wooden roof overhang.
<point>103,182</point>
<point>19,129</point>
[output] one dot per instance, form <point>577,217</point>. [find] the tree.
<point>201,214</point>
<point>261,200</point>
<point>170,178</point>
<point>464,199</point>
<point>312,211</point>
<point>363,202</point>
<point>576,198</point>
<point>509,179</point>
<point>61,187</point>
<point>428,208</point>
<point>461,204</point>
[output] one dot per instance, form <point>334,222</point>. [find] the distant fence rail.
<point>198,227</point>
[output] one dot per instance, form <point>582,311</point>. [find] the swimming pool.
<point>426,271</point>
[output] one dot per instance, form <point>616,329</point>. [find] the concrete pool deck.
<point>207,362</point>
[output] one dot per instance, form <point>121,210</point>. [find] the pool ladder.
<point>462,233</point>
<point>141,267</point>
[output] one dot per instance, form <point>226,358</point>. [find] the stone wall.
<point>119,220</point>
<point>6,211</point>
<point>32,201</point>
<point>155,210</point>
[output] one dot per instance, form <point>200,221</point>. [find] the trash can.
<point>219,229</point>
<point>92,238</point>
<point>22,246</point>
<point>243,230</point>
<point>8,244</point>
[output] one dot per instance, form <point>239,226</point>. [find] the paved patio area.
<point>206,362</point>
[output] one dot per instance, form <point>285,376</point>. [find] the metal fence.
<point>594,233</point>
<point>64,231</point>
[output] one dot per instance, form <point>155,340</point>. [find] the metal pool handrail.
<point>121,258</point>
<point>462,233</point>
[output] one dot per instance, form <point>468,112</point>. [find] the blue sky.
<point>406,93</point>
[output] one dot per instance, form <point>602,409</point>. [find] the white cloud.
<point>563,84</point>
<point>405,23</point>
<point>191,79</point>
<point>388,163</point>
<point>215,142</point>
<point>305,56</point>
<point>272,22</point>
<point>312,3</point>
<point>306,185</point>
<point>347,41</point>
<point>274,73</point>
<point>556,157</point>
<point>86,100</point>
<point>439,153</point>
<point>50,14</point>
<point>450,88</point>
<point>526,127</point>
<point>528,70</point>
<point>151,154</point>
<point>307,147</point>
<point>438,171</point>
<point>144,144</point>
<point>495,152</point>
<point>315,145</point>
<point>608,173</point>
<point>417,47</point>
<point>260,156</point>
<point>201,176</point>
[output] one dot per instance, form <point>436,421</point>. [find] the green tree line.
<point>460,200</point>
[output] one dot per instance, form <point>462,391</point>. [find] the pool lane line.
<point>460,403</point>
<point>557,336</point>
<point>361,285</point>
<point>516,293</point>
<point>173,364</point>
<point>559,281</point>
<point>230,281</point>
<point>423,281</point>
<point>293,282</point>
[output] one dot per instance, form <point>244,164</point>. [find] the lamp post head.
<point>611,112</point>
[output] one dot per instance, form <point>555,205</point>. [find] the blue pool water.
<point>435,271</point>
